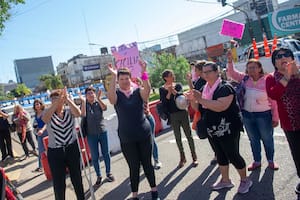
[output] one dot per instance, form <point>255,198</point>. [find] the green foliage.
<point>52,81</point>
<point>179,65</point>
<point>5,6</point>
<point>21,90</point>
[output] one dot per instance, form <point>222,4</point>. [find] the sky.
<point>65,28</point>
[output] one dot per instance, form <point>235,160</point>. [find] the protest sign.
<point>127,56</point>
<point>232,29</point>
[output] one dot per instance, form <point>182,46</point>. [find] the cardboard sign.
<point>127,56</point>
<point>232,29</point>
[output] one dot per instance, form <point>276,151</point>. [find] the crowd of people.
<point>222,114</point>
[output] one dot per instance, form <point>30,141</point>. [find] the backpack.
<point>240,90</point>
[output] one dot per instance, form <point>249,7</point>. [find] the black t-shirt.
<point>133,125</point>
<point>4,125</point>
<point>227,122</point>
<point>170,103</point>
<point>199,83</point>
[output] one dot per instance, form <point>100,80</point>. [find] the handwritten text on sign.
<point>127,56</point>
<point>232,29</point>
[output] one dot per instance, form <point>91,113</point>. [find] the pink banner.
<point>232,29</point>
<point>128,56</point>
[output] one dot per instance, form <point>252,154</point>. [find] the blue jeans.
<point>41,147</point>
<point>259,127</point>
<point>152,125</point>
<point>93,141</point>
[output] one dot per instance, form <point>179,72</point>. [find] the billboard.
<point>285,22</point>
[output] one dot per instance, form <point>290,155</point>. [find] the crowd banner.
<point>232,29</point>
<point>127,56</point>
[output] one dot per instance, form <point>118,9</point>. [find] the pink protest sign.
<point>127,56</point>
<point>232,29</point>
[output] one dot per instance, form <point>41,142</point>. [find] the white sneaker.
<point>157,164</point>
<point>218,185</point>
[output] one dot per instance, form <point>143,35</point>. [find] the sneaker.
<point>254,166</point>
<point>34,152</point>
<point>39,170</point>
<point>99,180</point>
<point>245,186</point>
<point>297,189</point>
<point>157,164</point>
<point>154,195</point>
<point>110,178</point>
<point>273,166</point>
<point>222,184</point>
<point>195,163</point>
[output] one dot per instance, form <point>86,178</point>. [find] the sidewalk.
<point>187,183</point>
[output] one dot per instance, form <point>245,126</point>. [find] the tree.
<point>5,6</point>
<point>21,90</point>
<point>52,81</point>
<point>180,67</point>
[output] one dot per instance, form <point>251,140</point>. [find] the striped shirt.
<point>61,131</point>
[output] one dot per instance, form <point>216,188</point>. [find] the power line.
<point>30,9</point>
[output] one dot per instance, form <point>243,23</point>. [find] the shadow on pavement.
<point>37,188</point>
<point>120,192</point>
<point>200,188</point>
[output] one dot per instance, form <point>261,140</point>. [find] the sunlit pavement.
<point>173,183</point>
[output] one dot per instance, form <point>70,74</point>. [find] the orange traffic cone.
<point>255,50</point>
<point>274,45</point>
<point>266,47</point>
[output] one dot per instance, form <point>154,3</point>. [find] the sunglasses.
<point>281,55</point>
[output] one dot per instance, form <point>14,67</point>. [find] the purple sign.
<point>128,56</point>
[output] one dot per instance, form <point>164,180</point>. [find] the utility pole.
<point>258,18</point>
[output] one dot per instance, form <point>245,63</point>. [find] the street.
<point>187,183</point>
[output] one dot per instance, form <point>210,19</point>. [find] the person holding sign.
<point>134,129</point>
<point>260,114</point>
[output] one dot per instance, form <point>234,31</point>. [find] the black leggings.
<point>293,138</point>
<point>137,153</point>
<point>227,150</point>
<point>59,159</point>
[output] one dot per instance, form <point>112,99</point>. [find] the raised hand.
<point>143,65</point>
<point>229,56</point>
<point>112,69</point>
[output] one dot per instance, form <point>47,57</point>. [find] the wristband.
<point>145,76</point>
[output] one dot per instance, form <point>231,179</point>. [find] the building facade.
<point>194,42</point>
<point>29,70</point>
<point>82,69</point>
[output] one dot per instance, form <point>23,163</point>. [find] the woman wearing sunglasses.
<point>283,86</point>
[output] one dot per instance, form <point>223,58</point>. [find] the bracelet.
<point>145,76</point>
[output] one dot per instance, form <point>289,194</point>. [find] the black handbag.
<point>202,128</point>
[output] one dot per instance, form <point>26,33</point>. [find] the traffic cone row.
<point>255,50</point>
<point>266,47</point>
<point>274,45</point>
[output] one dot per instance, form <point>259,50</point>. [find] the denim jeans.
<point>259,127</point>
<point>41,147</point>
<point>94,141</point>
<point>152,125</point>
